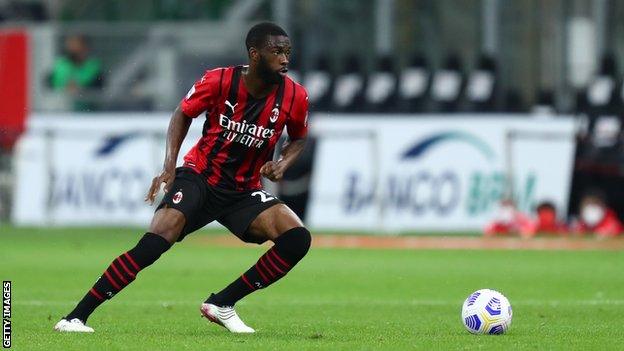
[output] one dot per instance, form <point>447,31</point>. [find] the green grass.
<point>336,299</point>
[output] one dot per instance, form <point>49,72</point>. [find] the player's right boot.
<point>75,326</point>
<point>226,317</point>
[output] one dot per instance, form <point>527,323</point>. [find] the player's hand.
<point>272,170</point>
<point>166,177</point>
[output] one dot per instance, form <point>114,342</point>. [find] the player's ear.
<point>253,54</point>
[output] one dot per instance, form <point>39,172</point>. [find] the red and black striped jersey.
<point>240,131</point>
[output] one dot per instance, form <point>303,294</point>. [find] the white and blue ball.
<point>486,311</point>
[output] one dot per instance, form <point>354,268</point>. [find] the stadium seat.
<point>601,105</point>
<point>606,131</point>
<point>319,84</point>
<point>481,86</point>
<point>349,91</point>
<point>601,92</point>
<point>544,103</point>
<point>513,101</point>
<point>414,85</point>
<point>447,86</point>
<point>382,86</point>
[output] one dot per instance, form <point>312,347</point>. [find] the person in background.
<point>597,218</point>
<point>76,71</point>
<point>546,221</point>
<point>509,221</point>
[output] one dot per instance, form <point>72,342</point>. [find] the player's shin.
<point>121,272</point>
<point>288,250</point>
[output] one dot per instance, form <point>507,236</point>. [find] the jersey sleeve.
<point>297,125</point>
<point>203,94</point>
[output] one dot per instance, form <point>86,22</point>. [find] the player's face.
<point>273,59</point>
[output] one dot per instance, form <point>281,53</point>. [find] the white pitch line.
<point>337,303</point>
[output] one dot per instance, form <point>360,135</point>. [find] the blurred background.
<point>426,115</point>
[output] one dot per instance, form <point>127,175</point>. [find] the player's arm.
<point>199,99</point>
<point>274,170</point>
<point>178,128</point>
<point>297,127</point>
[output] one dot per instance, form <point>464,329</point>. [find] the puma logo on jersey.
<point>228,104</point>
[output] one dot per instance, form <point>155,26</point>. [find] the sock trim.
<point>247,282</point>
<point>136,266</point>
<point>267,267</point>
<point>123,280</point>
<point>280,259</point>
<point>95,293</point>
<point>123,265</point>
<point>266,280</point>
<point>274,265</point>
<point>111,280</point>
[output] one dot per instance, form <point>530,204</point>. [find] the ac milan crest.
<point>274,115</point>
<point>177,197</point>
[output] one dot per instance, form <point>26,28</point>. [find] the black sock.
<point>288,250</point>
<point>120,273</point>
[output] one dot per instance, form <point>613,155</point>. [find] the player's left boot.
<point>226,317</point>
<point>74,326</point>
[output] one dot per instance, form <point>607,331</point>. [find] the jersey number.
<point>264,196</point>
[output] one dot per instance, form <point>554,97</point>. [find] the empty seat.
<point>606,131</point>
<point>349,89</point>
<point>447,85</point>
<point>318,82</point>
<point>481,85</point>
<point>381,86</point>
<point>414,83</point>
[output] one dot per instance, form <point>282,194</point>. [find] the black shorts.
<point>201,204</point>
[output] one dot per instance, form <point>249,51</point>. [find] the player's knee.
<point>154,243</point>
<point>171,235</point>
<point>295,243</point>
<point>168,224</point>
<point>149,249</point>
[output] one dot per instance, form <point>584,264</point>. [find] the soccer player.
<point>246,109</point>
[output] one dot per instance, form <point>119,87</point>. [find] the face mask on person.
<point>506,214</point>
<point>592,214</point>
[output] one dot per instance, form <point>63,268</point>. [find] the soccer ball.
<point>486,311</point>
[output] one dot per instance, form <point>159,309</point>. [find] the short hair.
<point>258,33</point>
<point>546,205</point>
<point>78,36</point>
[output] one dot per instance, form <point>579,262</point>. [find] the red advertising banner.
<point>14,105</point>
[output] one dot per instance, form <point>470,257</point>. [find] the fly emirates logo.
<point>248,134</point>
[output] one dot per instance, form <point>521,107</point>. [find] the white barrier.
<point>436,173</point>
<point>371,173</point>
<point>85,169</point>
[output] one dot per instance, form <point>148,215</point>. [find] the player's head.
<point>268,48</point>
<point>77,47</point>
<point>546,213</point>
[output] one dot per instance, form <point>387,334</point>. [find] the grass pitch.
<point>336,299</point>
